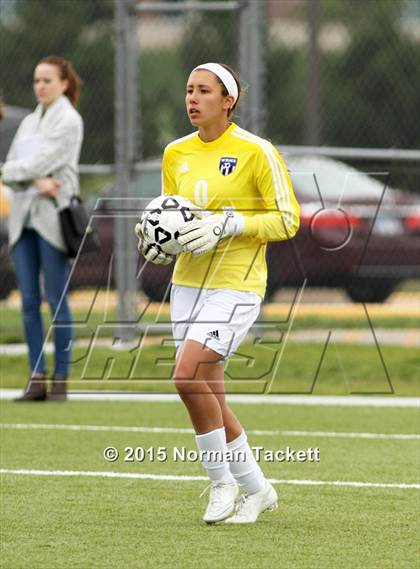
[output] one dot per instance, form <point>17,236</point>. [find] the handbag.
<point>77,232</point>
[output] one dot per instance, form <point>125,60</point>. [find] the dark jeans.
<point>32,254</point>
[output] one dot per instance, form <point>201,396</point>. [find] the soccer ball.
<point>163,218</point>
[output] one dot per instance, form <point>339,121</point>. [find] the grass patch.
<point>300,368</point>
<point>11,328</point>
<point>411,285</point>
<point>79,522</point>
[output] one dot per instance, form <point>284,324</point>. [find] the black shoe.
<point>58,389</point>
<point>35,389</point>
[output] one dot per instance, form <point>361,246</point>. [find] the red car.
<point>356,233</point>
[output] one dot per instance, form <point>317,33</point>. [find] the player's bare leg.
<point>215,378</point>
<point>207,418</point>
<point>190,381</point>
<point>259,496</point>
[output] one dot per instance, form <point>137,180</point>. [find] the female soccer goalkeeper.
<point>220,278</point>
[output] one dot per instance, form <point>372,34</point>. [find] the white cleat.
<point>250,506</point>
<point>221,502</point>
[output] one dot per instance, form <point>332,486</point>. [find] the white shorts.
<point>217,318</point>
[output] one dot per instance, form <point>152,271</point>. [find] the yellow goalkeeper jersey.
<point>238,171</point>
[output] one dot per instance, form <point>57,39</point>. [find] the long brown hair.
<point>68,72</point>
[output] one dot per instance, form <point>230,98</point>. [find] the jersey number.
<point>200,193</point>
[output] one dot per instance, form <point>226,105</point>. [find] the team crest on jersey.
<point>227,165</point>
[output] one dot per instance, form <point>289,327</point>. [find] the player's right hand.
<point>201,236</point>
<point>150,251</point>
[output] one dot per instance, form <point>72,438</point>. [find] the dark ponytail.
<point>68,72</point>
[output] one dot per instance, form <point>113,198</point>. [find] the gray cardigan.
<point>44,145</point>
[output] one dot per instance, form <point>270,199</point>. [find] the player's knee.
<point>180,384</point>
<point>188,388</point>
<point>184,376</point>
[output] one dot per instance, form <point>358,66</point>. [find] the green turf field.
<point>12,328</point>
<point>301,368</point>
<point>61,522</point>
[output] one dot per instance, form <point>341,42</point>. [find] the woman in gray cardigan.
<point>41,168</point>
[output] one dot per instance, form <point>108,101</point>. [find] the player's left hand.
<point>202,235</point>
<point>150,251</point>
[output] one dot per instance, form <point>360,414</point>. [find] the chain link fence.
<point>343,73</point>
<point>331,73</point>
<point>170,46</point>
<point>78,31</point>
<point>334,73</point>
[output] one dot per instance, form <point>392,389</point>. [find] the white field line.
<point>179,430</point>
<point>141,476</point>
<point>323,400</point>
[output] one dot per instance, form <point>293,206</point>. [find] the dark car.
<point>7,280</point>
<point>12,117</point>
<point>355,233</point>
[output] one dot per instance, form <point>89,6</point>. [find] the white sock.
<point>247,472</point>
<point>217,467</point>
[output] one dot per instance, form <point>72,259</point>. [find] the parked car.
<point>355,233</point>
<point>7,280</point>
<point>12,117</point>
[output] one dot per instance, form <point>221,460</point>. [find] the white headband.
<point>224,75</point>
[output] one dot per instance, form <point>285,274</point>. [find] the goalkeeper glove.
<point>150,251</point>
<point>201,236</point>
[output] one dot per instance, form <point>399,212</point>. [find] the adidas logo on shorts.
<point>214,334</point>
